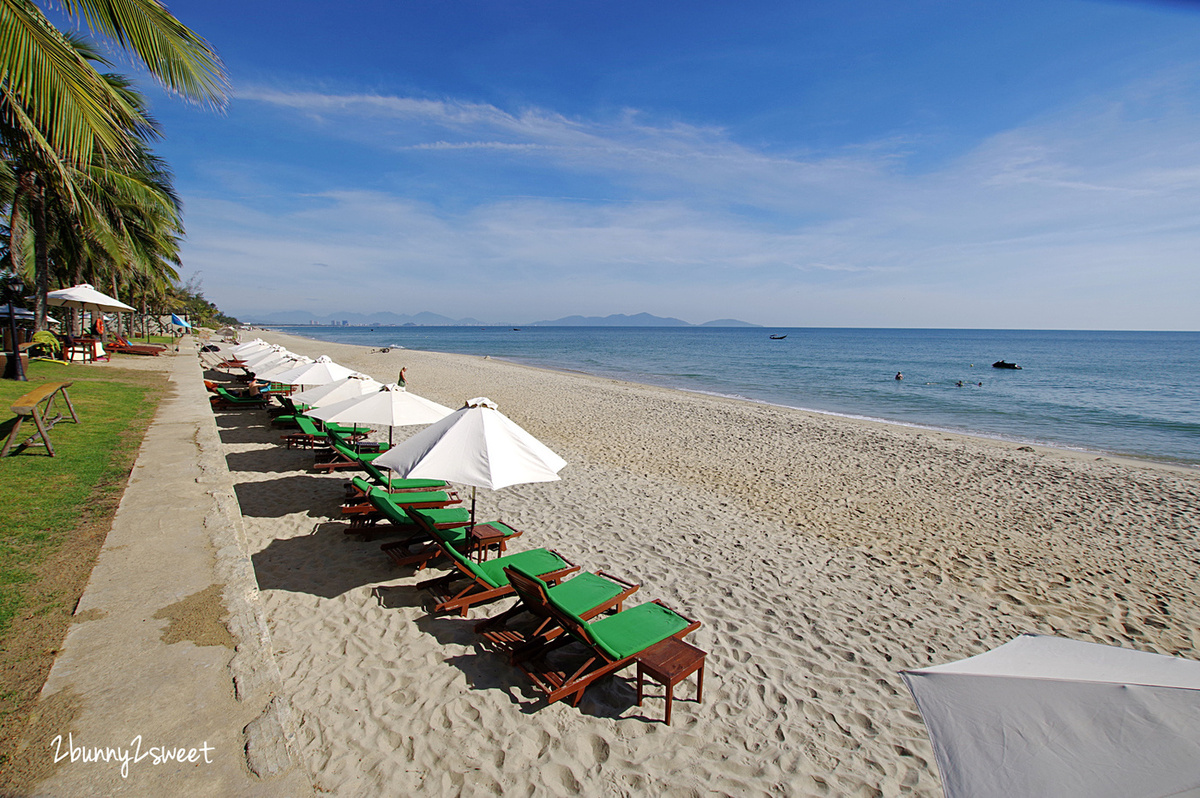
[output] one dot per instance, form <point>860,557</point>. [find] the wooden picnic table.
<point>38,404</point>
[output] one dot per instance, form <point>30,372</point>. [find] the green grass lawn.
<point>43,499</point>
<point>54,515</point>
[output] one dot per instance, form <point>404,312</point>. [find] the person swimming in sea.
<point>899,376</point>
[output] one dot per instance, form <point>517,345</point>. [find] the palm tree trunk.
<point>41,255</point>
<point>17,224</point>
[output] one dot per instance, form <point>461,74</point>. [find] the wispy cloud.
<point>704,225</point>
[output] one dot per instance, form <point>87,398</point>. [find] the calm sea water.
<point>1126,393</point>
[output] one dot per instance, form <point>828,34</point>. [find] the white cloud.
<point>1084,218</point>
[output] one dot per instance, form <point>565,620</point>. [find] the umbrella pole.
<point>472,526</point>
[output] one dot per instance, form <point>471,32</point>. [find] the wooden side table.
<point>669,662</point>
<point>483,537</point>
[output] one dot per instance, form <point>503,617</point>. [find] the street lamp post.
<point>15,369</point>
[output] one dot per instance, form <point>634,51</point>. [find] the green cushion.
<point>227,396</point>
<point>433,516</point>
<point>538,561</point>
<point>412,484</point>
<point>385,480</point>
<point>361,484</point>
<point>584,592</point>
<point>349,454</point>
<point>635,629</point>
<point>393,510</point>
<point>307,426</point>
<point>418,497</point>
<point>342,429</point>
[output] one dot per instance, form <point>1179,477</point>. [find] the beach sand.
<point>821,554</point>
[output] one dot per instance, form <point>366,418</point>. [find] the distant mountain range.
<point>386,319</point>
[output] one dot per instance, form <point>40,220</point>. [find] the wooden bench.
<point>39,404</point>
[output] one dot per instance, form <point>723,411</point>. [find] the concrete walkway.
<point>169,649</point>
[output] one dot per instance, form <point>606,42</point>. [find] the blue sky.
<point>913,164</point>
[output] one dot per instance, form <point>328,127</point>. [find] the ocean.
<point>1134,394</point>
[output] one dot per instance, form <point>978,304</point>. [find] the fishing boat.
<point>778,337</point>
<point>1001,364</point>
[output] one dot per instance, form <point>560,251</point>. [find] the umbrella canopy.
<point>273,370</point>
<point>391,406</point>
<point>85,297</point>
<point>257,345</point>
<point>1048,716</point>
<point>18,313</point>
<point>477,446</point>
<point>348,388</point>
<point>318,372</point>
<point>265,357</point>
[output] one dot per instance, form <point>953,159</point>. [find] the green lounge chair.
<point>309,436</point>
<point>358,489</point>
<point>342,456</point>
<point>453,530</point>
<point>611,643</point>
<point>364,520</point>
<point>224,400</point>
<point>487,581</point>
<point>586,595</point>
<point>382,478</point>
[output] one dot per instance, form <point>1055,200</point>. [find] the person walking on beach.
<point>400,380</point>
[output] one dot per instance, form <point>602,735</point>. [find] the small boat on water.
<point>778,337</point>
<point>1001,364</point>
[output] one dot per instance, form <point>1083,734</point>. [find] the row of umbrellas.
<point>476,445</point>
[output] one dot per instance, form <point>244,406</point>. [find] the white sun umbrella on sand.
<point>268,360</point>
<point>264,357</point>
<point>252,352</point>
<point>250,347</point>
<point>319,372</point>
<point>477,446</point>
<point>273,371</point>
<point>1044,715</point>
<point>347,388</point>
<point>390,406</point>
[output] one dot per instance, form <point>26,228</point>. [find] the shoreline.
<point>822,556</point>
<point>1060,450</point>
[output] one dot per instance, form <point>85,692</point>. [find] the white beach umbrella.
<point>250,347</point>
<point>477,446</point>
<point>268,360</point>
<point>1048,716</point>
<point>319,372</point>
<point>272,371</point>
<point>338,390</point>
<point>264,355</point>
<point>85,297</point>
<point>390,406</point>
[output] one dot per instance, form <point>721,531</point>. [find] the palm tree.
<point>57,111</point>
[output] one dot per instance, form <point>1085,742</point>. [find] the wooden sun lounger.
<point>124,347</point>
<point>610,643</point>
<point>488,581</point>
<point>224,400</point>
<point>449,526</point>
<point>586,594</point>
<point>341,456</point>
